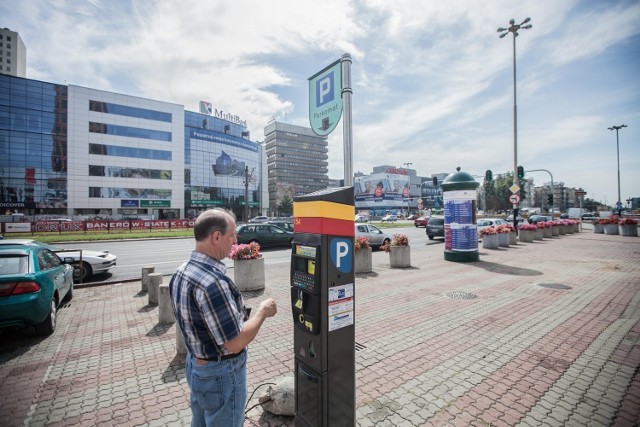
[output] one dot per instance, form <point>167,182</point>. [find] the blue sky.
<point>432,81</point>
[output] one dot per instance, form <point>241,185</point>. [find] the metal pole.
<point>246,193</point>
<point>552,191</point>
<point>618,151</point>
<point>346,124</point>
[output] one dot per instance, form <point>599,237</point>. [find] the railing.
<point>95,225</point>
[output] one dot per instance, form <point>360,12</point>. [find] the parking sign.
<point>325,99</point>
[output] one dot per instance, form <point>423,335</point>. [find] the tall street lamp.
<point>406,166</point>
<point>513,28</point>
<point>617,128</point>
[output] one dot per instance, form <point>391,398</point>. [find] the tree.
<point>285,207</point>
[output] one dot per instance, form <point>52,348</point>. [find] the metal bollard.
<point>165,311</point>
<point>145,277</point>
<point>155,279</point>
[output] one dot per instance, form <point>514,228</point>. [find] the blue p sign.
<point>324,89</point>
<point>342,254</point>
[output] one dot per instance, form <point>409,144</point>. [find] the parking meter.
<point>323,307</point>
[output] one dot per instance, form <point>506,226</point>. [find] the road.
<point>168,254</point>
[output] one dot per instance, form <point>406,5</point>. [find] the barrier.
<point>165,310</point>
<point>145,277</point>
<point>155,279</point>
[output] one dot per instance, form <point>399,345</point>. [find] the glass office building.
<point>81,153</point>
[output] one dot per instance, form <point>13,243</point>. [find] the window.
<point>8,38</point>
<point>8,45</point>
<point>48,260</point>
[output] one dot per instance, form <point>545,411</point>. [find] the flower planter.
<point>569,228</point>
<point>503,240</point>
<point>628,230</point>
<point>400,256</point>
<point>598,228</point>
<point>576,227</point>
<point>363,261</point>
<point>538,234</point>
<point>490,241</point>
<point>547,232</point>
<point>555,230</point>
<point>611,229</point>
<point>248,274</point>
<point>563,229</point>
<point>513,238</point>
<point>526,236</point>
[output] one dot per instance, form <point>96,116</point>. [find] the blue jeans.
<point>218,391</point>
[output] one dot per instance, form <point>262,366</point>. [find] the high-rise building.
<point>13,54</point>
<point>297,162</point>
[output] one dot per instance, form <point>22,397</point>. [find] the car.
<point>389,218</point>
<point>285,225</point>
<point>435,227</point>
<point>518,218</point>
<point>34,282</point>
<point>93,262</point>
<point>490,222</point>
<point>264,234</point>
<point>534,219</point>
<point>362,218</point>
<point>377,238</point>
<point>411,217</point>
<point>259,219</point>
<point>420,221</point>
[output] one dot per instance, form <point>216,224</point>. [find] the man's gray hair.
<point>210,221</point>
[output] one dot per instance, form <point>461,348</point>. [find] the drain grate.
<point>559,286</point>
<point>360,346</point>
<point>461,295</point>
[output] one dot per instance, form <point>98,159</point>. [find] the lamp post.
<point>617,128</point>
<point>513,28</point>
<point>406,166</point>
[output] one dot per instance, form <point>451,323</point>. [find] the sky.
<point>432,81</point>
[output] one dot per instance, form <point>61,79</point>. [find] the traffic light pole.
<point>552,189</point>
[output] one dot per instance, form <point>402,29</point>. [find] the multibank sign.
<point>325,99</point>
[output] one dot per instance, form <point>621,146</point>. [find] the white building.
<point>13,54</point>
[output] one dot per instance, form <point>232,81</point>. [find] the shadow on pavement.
<point>175,371</point>
<point>505,269</point>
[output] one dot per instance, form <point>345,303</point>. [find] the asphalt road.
<point>168,254</point>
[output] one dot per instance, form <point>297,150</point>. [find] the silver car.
<point>93,262</point>
<point>376,237</point>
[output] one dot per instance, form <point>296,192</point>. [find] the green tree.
<point>285,207</point>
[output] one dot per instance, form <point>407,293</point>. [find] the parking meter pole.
<point>323,308</point>
<point>459,191</point>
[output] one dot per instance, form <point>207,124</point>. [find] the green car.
<point>264,234</point>
<point>33,283</point>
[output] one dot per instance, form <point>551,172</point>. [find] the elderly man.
<point>214,322</point>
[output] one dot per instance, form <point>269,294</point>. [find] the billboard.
<point>382,191</point>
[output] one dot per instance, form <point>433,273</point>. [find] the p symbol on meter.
<point>342,254</point>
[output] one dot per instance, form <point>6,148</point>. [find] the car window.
<point>248,229</point>
<point>276,230</point>
<point>47,259</point>
<point>374,230</point>
<point>14,264</point>
<point>362,228</point>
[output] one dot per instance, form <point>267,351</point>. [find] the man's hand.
<point>268,308</point>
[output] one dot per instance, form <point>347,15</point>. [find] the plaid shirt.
<point>208,305</point>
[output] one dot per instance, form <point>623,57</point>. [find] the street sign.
<point>581,193</point>
<point>420,206</point>
<point>514,188</point>
<point>325,99</point>
<point>514,198</point>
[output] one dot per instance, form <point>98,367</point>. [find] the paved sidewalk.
<point>540,334</point>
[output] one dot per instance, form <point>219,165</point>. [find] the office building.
<point>13,54</point>
<point>297,162</point>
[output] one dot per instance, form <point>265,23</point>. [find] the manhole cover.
<point>461,295</point>
<point>554,286</point>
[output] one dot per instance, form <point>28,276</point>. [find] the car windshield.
<point>14,264</point>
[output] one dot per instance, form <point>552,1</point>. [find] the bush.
<point>489,231</point>
<point>361,243</point>
<point>250,251</point>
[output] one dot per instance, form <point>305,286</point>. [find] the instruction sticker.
<point>341,292</point>
<point>341,305</point>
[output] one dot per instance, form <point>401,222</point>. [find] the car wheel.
<point>84,271</point>
<point>430,236</point>
<point>69,295</point>
<point>49,325</point>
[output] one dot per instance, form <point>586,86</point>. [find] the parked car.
<point>362,218</point>
<point>285,225</point>
<point>389,218</point>
<point>534,219</point>
<point>376,237</point>
<point>34,282</point>
<point>420,221</point>
<point>259,219</point>
<point>93,262</point>
<point>435,227</point>
<point>411,217</point>
<point>490,222</point>
<point>264,234</point>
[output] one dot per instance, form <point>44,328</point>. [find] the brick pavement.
<point>496,342</point>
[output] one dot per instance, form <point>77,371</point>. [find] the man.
<point>214,322</point>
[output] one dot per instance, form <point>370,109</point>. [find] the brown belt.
<point>220,358</point>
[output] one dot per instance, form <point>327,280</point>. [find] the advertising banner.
<point>381,190</point>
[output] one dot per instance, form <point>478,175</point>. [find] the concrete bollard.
<point>181,348</point>
<point>145,277</point>
<point>165,310</point>
<point>155,279</point>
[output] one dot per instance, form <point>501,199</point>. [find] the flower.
<point>542,224</point>
<point>611,219</point>
<point>628,221</point>
<point>242,251</point>
<point>489,231</point>
<point>397,240</point>
<point>361,243</point>
<point>504,228</point>
<point>531,227</point>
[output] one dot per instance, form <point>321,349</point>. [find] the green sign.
<point>155,203</point>
<point>325,99</point>
<point>252,204</point>
<point>207,203</point>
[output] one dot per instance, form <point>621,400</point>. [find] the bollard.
<point>145,277</point>
<point>165,311</point>
<point>181,348</point>
<point>154,282</point>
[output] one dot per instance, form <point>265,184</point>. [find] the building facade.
<point>13,54</point>
<point>297,162</point>
<point>81,153</point>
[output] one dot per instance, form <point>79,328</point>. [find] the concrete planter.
<point>248,274</point>
<point>538,234</point>
<point>547,232</point>
<point>569,228</point>
<point>598,228</point>
<point>526,236</point>
<point>513,238</point>
<point>555,230</point>
<point>611,229</point>
<point>400,256</point>
<point>628,230</point>
<point>363,261</point>
<point>490,241</point>
<point>503,240</point>
<point>562,229</point>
